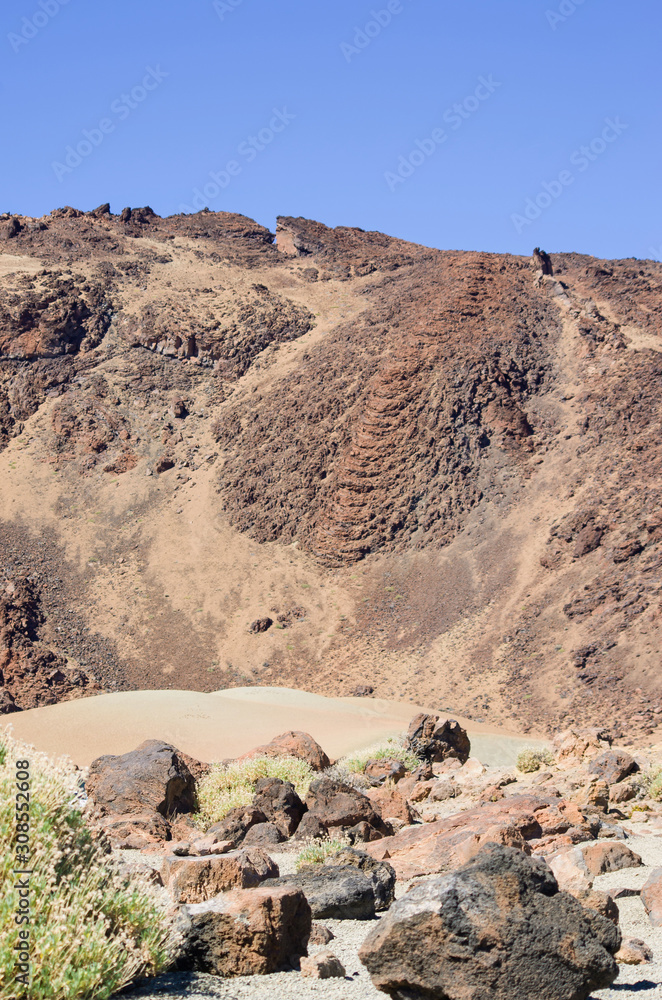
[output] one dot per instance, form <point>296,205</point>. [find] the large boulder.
<point>334,893</point>
<point>435,739</point>
<point>499,928</point>
<point>196,879</point>
<point>651,897</point>
<point>154,778</point>
<point>245,932</point>
<point>279,802</point>
<point>612,766</point>
<point>333,805</point>
<point>292,744</point>
<point>380,873</point>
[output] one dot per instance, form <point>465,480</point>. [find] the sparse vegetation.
<point>532,759</point>
<point>91,933</point>
<point>227,786</point>
<point>317,851</point>
<point>651,782</point>
<point>394,747</point>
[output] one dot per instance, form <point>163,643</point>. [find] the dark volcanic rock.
<point>151,778</point>
<point>353,888</point>
<point>612,766</point>
<point>498,928</point>
<point>332,805</point>
<point>280,804</point>
<point>435,740</point>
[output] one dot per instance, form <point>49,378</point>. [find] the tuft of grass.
<point>651,782</point>
<point>228,786</point>
<point>91,933</point>
<point>394,747</point>
<point>532,758</point>
<point>317,851</point>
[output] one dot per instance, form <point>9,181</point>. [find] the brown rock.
<point>609,857</point>
<point>323,965</point>
<point>336,806</point>
<point>320,934</point>
<point>293,744</point>
<point>651,897</point>
<point>433,739</point>
<point>235,824</point>
<point>260,625</point>
<point>387,769</point>
<point>498,927</point>
<point>634,951</point>
<point>152,778</point>
<point>263,835</point>
<point>612,766</point>
<point>279,802</point>
<point>570,870</point>
<point>443,789</point>
<point>246,932</point>
<point>391,804</point>
<point>196,879</point>
<point>601,902</point>
<point>623,791</point>
<point>363,691</point>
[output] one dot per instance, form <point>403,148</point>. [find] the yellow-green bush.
<point>227,786</point>
<point>317,851</point>
<point>651,782</point>
<point>90,932</point>
<point>393,747</point>
<point>532,758</point>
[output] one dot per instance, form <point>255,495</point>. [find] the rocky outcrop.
<point>435,740</point>
<point>195,880</point>
<point>497,927</point>
<point>245,932</point>
<point>292,744</point>
<point>335,806</point>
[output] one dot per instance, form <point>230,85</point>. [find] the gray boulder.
<point>498,927</point>
<point>353,886</point>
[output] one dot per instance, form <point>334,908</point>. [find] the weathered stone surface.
<point>613,765</point>
<point>320,934</point>
<point>601,902</point>
<point>246,932</point>
<point>152,778</point>
<point>609,857</point>
<point>323,965</point>
<point>196,879</point>
<point>263,835</point>
<point>651,897</point>
<point>279,802</point>
<point>391,804</point>
<point>292,744</point>
<point>634,951</point>
<point>333,805</point>
<point>570,870</point>
<point>237,823</point>
<point>381,873</point>
<point>498,928</point>
<point>350,886</point>
<point>623,791</point>
<point>385,769</point>
<point>443,789</point>
<point>433,739</point>
<point>445,844</point>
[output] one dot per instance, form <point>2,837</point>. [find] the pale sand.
<point>227,723</point>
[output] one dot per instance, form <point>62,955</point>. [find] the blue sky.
<point>480,125</point>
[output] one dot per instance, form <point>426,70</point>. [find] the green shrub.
<point>651,782</point>
<point>91,933</point>
<point>317,851</point>
<point>394,747</point>
<point>228,786</point>
<point>532,758</point>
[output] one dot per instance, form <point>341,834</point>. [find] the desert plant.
<point>227,786</point>
<point>532,758</point>
<point>90,932</point>
<point>651,782</point>
<point>393,747</point>
<point>316,851</point>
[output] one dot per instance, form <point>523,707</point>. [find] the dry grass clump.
<point>90,932</point>
<point>651,782</point>
<point>317,851</point>
<point>532,759</point>
<point>227,786</point>
<point>393,747</point>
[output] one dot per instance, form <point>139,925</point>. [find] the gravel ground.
<point>634,982</point>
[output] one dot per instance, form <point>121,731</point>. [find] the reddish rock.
<point>246,932</point>
<point>609,857</point>
<point>601,902</point>
<point>386,769</point>
<point>651,897</point>
<point>634,951</point>
<point>320,934</point>
<point>323,965</point>
<point>613,766</point>
<point>293,744</point>
<point>391,804</point>
<point>196,879</point>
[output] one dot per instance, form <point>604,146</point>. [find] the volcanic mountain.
<point>327,459</point>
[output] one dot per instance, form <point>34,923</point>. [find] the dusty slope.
<point>436,474</point>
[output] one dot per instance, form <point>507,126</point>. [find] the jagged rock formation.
<point>449,466</point>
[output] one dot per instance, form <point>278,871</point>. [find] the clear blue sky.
<point>205,82</point>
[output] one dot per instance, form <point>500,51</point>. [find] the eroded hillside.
<point>436,472</point>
